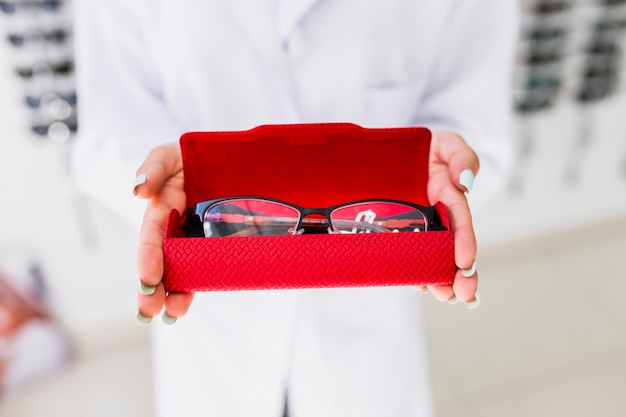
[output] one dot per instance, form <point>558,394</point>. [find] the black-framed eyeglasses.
<point>64,67</point>
<point>545,34</point>
<point>551,7</point>
<point>56,36</point>
<point>260,216</point>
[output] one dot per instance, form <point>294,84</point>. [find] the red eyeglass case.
<point>310,165</point>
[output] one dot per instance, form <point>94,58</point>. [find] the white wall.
<point>90,272</point>
<point>547,203</point>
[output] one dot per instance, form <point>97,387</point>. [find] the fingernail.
<point>140,179</point>
<point>469,272</point>
<point>147,289</point>
<point>168,320</point>
<point>143,319</point>
<point>466,179</point>
<point>473,305</point>
<point>453,300</point>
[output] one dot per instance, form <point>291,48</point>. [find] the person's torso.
<point>285,61</point>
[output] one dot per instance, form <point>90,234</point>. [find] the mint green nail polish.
<point>168,320</point>
<point>140,179</point>
<point>453,301</point>
<point>469,272</point>
<point>143,319</point>
<point>474,304</point>
<point>466,179</point>
<point>147,289</point>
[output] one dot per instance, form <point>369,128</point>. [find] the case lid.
<point>312,165</point>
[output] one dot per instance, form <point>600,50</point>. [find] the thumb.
<point>162,163</point>
<point>462,161</point>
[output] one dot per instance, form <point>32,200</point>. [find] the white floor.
<point>548,340</point>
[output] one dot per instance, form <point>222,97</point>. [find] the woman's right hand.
<point>159,179</point>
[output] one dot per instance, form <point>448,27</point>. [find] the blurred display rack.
<point>39,36</point>
<point>39,33</point>
<point>571,164</point>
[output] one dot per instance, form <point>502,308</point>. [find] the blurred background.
<point>549,338</point>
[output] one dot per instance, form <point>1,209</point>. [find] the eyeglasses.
<point>545,34</point>
<point>57,131</point>
<point>64,67</point>
<point>258,216</point>
<point>35,102</point>
<point>45,5</point>
<point>551,7</point>
<point>614,2</point>
<point>56,36</point>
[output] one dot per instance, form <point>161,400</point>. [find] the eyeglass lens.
<point>249,217</point>
<point>258,217</point>
<point>377,217</point>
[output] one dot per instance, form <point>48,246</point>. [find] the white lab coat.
<point>149,70</point>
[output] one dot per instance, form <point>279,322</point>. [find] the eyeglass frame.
<point>193,226</point>
<point>54,36</point>
<point>60,68</point>
<point>10,7</point>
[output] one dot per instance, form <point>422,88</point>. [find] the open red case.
<point>310,165</point>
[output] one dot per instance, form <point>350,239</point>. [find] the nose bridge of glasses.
<point>314,217</point>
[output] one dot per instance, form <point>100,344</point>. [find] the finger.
<point>465,287</point>
<point>460,221</point>
<point>164,184</point>
<point>152,232</point>
<point>177,304</point>
<point>442,292</point>
<point>162,163</point>
<point>150,249</point>
<point>463,163</point>
<point>465,246</point>
<point>151,305</point>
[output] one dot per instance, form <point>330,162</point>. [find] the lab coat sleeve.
<point>470,87</point>
<point>121,112</point>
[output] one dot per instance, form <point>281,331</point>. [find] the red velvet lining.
<point>312,165</point>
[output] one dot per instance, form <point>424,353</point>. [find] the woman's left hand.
<point>453,167</point>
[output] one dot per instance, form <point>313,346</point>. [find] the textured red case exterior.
<point>311,165</point>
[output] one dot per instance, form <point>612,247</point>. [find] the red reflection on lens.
<point>378,217</point>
